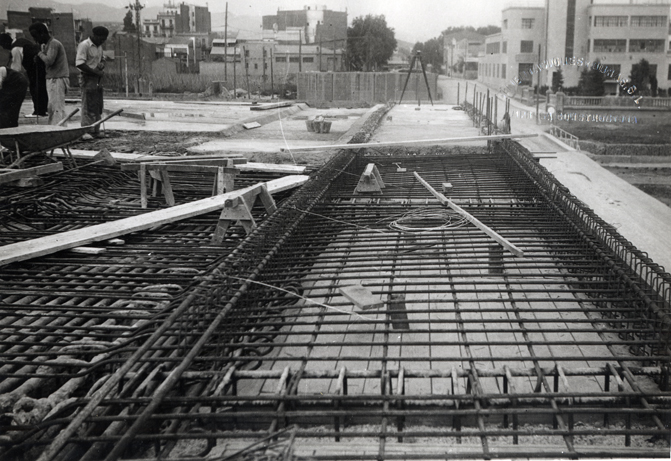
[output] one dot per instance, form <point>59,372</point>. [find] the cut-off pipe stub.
<point>496,259</point>
<point>398,313</point>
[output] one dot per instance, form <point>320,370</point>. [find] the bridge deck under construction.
<point>467,351</point>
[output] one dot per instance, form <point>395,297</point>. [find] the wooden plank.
<point>30,249</point>
<point>182,168</point>
<point>412,142</point>
<point>274,105</point>
<point>13,175</point>
<point>361,296</point>
<point>472,219</point>
<point>88,250</point>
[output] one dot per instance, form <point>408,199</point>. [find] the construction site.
<point>275,281</point>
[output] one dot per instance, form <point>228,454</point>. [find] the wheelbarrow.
<point>31,140</point>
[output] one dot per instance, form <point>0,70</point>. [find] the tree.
<point>432,52</point>
<point>128,24</point>
<point>370,43</point>
<point>557,80</point>
<point>488,30</point>
<point>591,81</point>
<point>640,77</point>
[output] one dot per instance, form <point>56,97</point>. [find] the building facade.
<point>514,51</point>
<point>314,24</point>
<point>617,33</point>
<point>178,19</point>
<point>462,52</point>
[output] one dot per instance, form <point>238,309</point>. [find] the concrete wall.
<point>369,87</point>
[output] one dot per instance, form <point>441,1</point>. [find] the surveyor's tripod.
<point>417,57</point>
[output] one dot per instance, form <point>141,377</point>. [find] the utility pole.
<point>538,87</point>
<point>138,25</point>
<point>244,54</point>
<point>226,46</point>
<point>272,80</point>
<point>300,50</point>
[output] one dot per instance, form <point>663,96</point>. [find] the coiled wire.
<point>427,220</point>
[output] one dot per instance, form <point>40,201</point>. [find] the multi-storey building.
<point>617,33</point>
<point>178,20</point>
<point>314,24</point>
<point>513,51</point>
<point>462,52</point>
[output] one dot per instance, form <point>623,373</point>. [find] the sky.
<point>413,20</point>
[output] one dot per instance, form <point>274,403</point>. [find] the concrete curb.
<point>559,143</point>
<point>262,119</point>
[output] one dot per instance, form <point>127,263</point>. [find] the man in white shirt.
<point>91,66</point>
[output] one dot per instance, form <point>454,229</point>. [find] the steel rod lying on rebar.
<point>23,251</point>
<point>413,142</point>
<point>472,219</point>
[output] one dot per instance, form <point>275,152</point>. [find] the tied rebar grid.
<point>471,353</point>
<point>69,320</point>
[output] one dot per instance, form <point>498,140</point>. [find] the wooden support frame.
<point>370,180</point>
<point>224,177</point>
<point>505,243</point>
<point>23,251</point>
<point>239,211</point>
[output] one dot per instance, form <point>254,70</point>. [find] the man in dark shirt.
<point>13,86</point>
<point>27,50</point>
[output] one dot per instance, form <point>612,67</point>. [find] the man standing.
<point>23,53</point>
<point>57,70</point>
<point>90,63</point>
<point>13,86</point>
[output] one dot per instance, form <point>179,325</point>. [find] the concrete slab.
<point>285,132</point>
<point>404,123</point>
<point>638,217</point>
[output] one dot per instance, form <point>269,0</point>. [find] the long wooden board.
<point>23,251</point>
<point>272,105</point>
<point>505,243</point>
<point>249,166</point>
<point>413,142</point>
<point>13,175</point>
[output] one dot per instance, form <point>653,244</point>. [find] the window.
<point>505,23</point>
<point>503,71</point>
<point>615,69</point>
<point>526,46</point>
<point>246,53</point>
<point>610,21</point>
<point>280,59</point>
<point>294,59</point>
<point>256,66</point>
<point>609,46</point>
<point>668,77</point>
<point>524,73</point>
<point>648,21</point>
<point>309,59</point>
<point>527,23</point>
<point>504,47</point>
<point>646,46</point>
<point>496,67</point>
<point>493,48</point>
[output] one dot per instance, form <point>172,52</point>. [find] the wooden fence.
<point>369,87</point>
